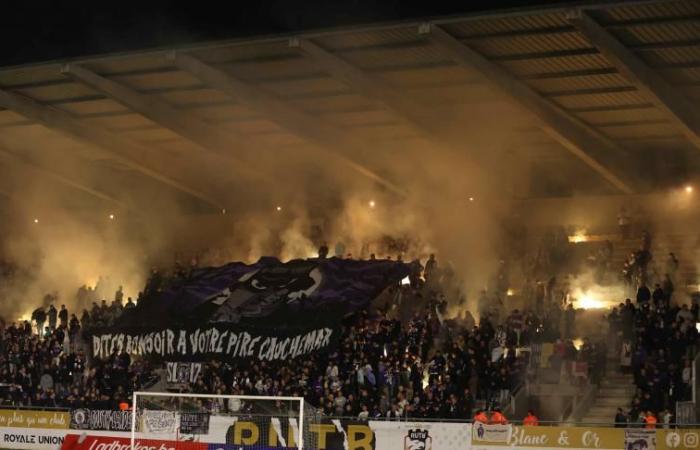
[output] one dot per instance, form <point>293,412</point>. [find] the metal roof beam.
<point>299,122</point>
<point>569,74</point>
<point>546,54</point>
<point>123,150</point>
<point>654,21</point>
<point>368,85</point>
<point>560,29</point>
<point>580,139</point>
<point>378,90</point>
<point>676,106</point>
<point>185,124</point>
<point>590,91</point>
<point>425,123</point>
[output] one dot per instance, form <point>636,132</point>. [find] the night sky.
<point>33,31</point>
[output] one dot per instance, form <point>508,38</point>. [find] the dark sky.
<point>32,31</point>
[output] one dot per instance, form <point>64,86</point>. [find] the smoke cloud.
<point>458,183</point>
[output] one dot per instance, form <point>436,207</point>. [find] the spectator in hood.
<point>620,419</point>
<point>643,294</point>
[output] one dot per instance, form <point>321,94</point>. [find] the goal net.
<point>224,421</point>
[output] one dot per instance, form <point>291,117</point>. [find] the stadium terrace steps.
<point>686,249</point>
<point>616,391</point>
<point>615,379</point>
<point>609,401</point>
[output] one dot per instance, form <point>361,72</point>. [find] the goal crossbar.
<point>138,394</point>
<point>222,396</point>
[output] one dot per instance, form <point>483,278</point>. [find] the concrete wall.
<point>676,209</point>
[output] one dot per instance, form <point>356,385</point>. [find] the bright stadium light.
<point>36,220</point>
<point>689,189</point>
<point>471,199</point>
<point>111,217</point>
<point>372,204</point>
<point>278,208</point>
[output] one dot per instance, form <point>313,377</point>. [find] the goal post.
<point>235,421</point>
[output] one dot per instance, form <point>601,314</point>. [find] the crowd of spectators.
<point>408,357</point>
<point>387,364</point>
<point>657,342</point>
<point>51,369</point>
<point>426,366</point>
<point>654,334</point>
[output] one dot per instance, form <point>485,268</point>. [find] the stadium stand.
<point>402,358</point>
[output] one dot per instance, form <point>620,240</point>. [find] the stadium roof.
<point>611,92</point>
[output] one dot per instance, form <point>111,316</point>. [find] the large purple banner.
<point>270,289</point>
<point>267,311</point>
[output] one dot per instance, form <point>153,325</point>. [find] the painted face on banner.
<point>261,292</point>
<point>79,417</point>
<point>289,284</point>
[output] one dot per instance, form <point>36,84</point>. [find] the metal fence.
<point>33,408</point>
<point>544,423</point>
<point>519,422</point>
<point>690,424</point>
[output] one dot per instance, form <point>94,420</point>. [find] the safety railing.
<point>403,418</point>
<point>542,423</point>
<point>33,408</point>
<point>580,407</point>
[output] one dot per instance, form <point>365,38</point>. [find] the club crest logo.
<point>418,440</point>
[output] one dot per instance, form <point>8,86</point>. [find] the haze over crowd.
<point>62,239</point>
